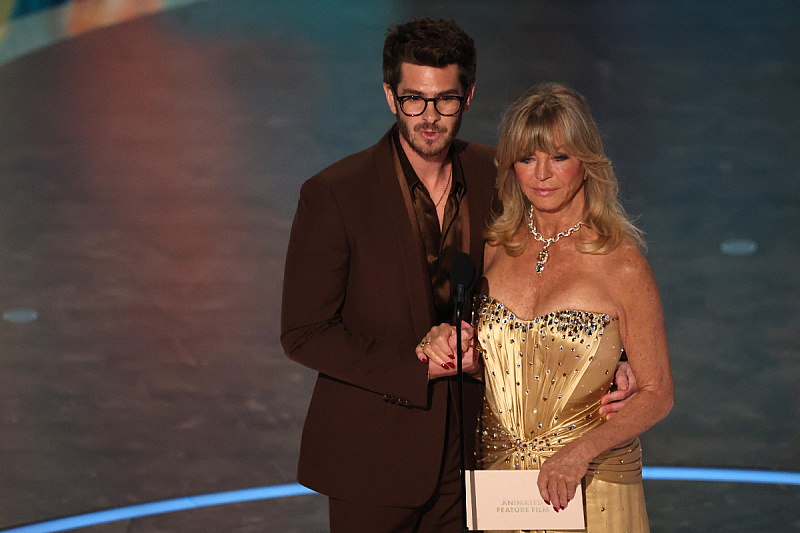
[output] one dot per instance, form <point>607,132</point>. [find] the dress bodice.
<point>545,377</point>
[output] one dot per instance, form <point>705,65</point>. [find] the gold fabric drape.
<point>545,377</point>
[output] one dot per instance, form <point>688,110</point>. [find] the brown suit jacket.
<point>356,300</point>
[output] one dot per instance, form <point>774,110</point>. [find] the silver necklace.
<point>447,186</point>
<point>543,256</point>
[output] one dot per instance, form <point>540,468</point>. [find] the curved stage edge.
<point>660,473</point>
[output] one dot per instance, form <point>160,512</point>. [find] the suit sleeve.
<point>315,287</point>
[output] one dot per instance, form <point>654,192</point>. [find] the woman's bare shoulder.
<point>629,274</point>
<point>490,252</point>
<point>627,259</point>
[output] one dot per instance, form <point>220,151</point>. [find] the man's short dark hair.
<point>430,43</point>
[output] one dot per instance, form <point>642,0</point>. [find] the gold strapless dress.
<point>544,381</point>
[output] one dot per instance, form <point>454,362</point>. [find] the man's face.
<point>429,134</point>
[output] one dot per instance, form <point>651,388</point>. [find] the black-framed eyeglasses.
<point>446,105</point>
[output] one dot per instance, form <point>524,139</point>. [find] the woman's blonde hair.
<point>552,118</point>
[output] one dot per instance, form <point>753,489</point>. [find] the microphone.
<point>462,276</point>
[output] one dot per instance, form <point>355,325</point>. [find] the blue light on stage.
<point>720,475</point>
<point>162,507</point>
<point>665,473</point>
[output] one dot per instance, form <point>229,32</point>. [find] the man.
<point>367,276</point>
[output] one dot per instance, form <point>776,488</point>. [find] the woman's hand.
<point>438,349</point>
<point>560,475</point>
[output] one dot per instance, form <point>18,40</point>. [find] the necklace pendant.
<point>541,259</point>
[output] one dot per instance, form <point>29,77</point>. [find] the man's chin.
<point>428,149</point>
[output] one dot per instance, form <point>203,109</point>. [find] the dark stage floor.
<point>149,172</point>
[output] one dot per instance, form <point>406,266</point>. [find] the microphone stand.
<point>462,276</point>
<point>460,406</point>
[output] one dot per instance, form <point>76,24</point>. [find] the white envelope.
<point>509,499</point>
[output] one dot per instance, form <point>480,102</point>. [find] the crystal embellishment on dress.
<point>553,371</point>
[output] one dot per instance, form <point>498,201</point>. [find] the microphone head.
<point>462,271</point>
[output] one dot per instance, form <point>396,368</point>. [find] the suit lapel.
<point>406,234</point>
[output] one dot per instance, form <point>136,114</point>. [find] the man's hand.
<point>627,388</point>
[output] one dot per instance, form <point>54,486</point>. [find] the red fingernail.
<point>451,356</point>
<point>452,365</point>
<point>424,359</point>
<point>444,366</point>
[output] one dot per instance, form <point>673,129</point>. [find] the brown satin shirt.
<point>441,245</point>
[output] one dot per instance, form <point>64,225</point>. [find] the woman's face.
<point>552,182</point>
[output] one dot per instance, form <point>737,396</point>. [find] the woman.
<point>565,288</point>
